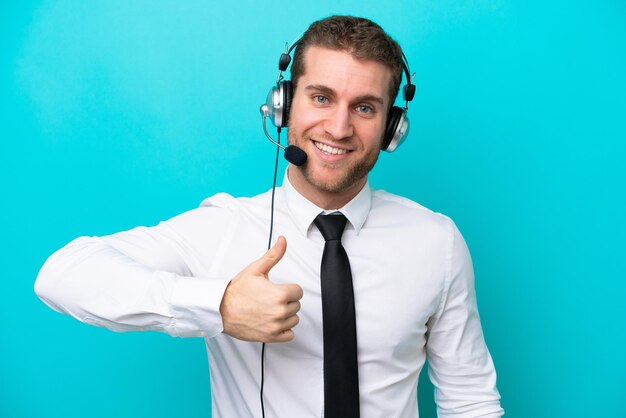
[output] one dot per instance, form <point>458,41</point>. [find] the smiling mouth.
<point>327,149</point>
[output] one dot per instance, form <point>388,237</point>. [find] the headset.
<point>278,105</point>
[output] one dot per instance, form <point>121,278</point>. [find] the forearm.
<point>125,283</point>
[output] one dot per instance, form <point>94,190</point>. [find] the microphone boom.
<point>293,154</point>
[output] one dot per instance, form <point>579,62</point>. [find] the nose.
<point>338,124</point>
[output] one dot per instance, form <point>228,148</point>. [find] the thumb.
<point>264,264</point>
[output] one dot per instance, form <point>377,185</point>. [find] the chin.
<point>337,183</point>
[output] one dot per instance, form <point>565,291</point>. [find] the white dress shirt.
<point>413,286</point>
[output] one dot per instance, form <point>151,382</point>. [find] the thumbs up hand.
<point>255,309</point>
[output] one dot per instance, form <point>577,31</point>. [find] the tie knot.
<point>331,226</point>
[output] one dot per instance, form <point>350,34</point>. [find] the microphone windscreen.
<point>295,155</point>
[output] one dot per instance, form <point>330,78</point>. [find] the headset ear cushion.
<point>395,116</point>
<point>287,94</point>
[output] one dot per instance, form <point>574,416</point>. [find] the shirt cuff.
<point>195,304</point>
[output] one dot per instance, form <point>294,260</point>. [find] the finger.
<point>292,292</point>
<point>264,264</point>
<point>292,308</point>
<point>283,337</point>
<point>291,322</point>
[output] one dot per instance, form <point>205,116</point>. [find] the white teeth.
<point>329,150</point>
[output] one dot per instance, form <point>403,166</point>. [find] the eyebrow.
<point>330,92</point>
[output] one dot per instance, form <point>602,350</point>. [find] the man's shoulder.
<point>220,210</point>
<point>398,207</point>
<point>228,201</point>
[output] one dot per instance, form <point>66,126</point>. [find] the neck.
<point>322,198</point>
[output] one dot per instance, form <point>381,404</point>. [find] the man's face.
<point>337,117</point>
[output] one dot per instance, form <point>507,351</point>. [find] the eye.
<point>364,109</point>
<point>320,99</point>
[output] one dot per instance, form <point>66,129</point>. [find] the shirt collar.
<point>303,211</point>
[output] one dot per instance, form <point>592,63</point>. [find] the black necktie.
<point>341,372</point>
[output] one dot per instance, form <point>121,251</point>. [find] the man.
<point>412,279</point>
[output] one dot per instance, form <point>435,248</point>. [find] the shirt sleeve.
<point>460,366</point>
<point>137,280</point>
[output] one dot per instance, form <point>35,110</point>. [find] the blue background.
<point>123,113</point>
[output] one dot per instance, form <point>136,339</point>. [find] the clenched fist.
<point>255,309</point>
